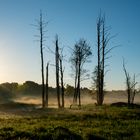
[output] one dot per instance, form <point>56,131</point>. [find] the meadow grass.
<point>89,122</point>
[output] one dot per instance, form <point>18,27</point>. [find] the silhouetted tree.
<point>59,74</point>
<point>102,51</point>
<point>130,86</point>
<point>41,24</point>
<point>69,90</point>
<point>42,59</point>
<point>57,71</point>
<point>62,81</point>
<point>47,74</point>
<point>29,88</point>
<point>79,57</point>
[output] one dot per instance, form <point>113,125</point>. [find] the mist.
<point>110,97</point>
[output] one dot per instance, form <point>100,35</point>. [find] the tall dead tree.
<point>98,86</point>
<point>102,51</point>
<point>61,58</point>
<point>130,86</point>
<point>41,24</point>
<point>62,81</point>
<point>57,71</point>
<point>59,74</point>
<point>74,61</point>
<point>80,55</point>
<point>47,85</point>
<point>42,60</point>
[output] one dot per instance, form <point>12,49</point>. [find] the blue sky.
<point>71,20</point>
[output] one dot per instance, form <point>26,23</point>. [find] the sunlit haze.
<point>71,20</point>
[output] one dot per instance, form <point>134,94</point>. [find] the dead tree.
<point>74,61</point>
<point>42,60</point>
<point>41,25</point>
<point>80,55</point>
<point>59,74</point>
<point>102,52</point>
<point>134,91</point>
<point>62,82</point>
<point>99,93</point>
<point>61,58</point>
<point>130,86</point>
<point>57,71</point>
<point>47,85</point>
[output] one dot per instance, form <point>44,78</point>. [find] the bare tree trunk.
<point>130,86</point>
<point>128,92</point>
<point>47,71</point>
<point>41,25</point>
<point>103,61</point>
<point>133,97</point>
<point>78,89</point>
<point>99,64</point>
<point>102,40</point>
<point>62,83</point>
<point>128,83</point>
<point>42,60</point>
<point>57,72</point>
<point>134,90</point>
<point>75,89</point>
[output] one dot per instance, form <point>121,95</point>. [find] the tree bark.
<point>78,89</point>
<point>57,73</point>
<point>42,60</point>
<point>75,89</point>
<point>62,83</point>
<point>47,92</point>
<point>103,61</point>
<point>99,64</point>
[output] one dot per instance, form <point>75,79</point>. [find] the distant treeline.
<point>30,88</point>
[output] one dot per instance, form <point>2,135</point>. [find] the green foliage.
<point>69,90</point>
<point>9,91</point>
<point>6,94</point>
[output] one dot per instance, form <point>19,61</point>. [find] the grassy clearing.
<point>90,122</point>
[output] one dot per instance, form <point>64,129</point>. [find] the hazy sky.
<point>71,20</point>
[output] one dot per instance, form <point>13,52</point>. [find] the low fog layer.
<point>85,99</point>
<point>30,93</point>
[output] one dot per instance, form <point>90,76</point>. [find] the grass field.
<point>21,121</point>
